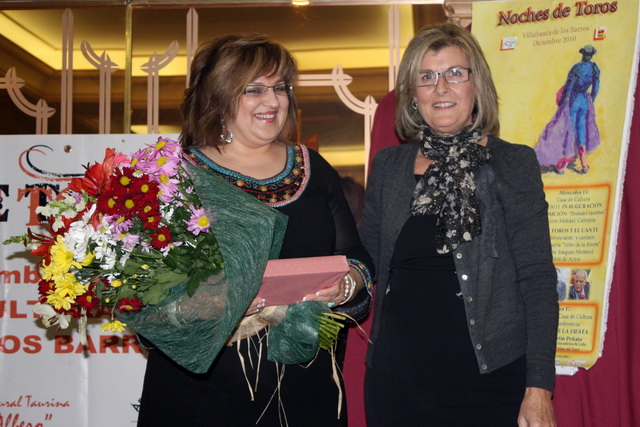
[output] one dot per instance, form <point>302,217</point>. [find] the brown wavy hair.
<point>221,70</point>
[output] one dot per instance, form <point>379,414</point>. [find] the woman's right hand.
<point>256,305</point>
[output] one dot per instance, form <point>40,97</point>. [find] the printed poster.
<point>566,73</point>
<point>47,378</point>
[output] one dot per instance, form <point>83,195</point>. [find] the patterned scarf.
<point>447,188</point>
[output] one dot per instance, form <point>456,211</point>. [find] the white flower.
<point>124,258</point>
<point>82,204</point>
<point>168,213</point>
<point>166,249</point>
<point>48,210</point>
<point>80,235</point>
<point>57,224</point>
<point>108,257</point>
<point>50,316</point>
<point>110,277</point>
<point>105,246</point>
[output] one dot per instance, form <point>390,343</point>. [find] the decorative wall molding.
<point>394,45</point>
<point>192,39</point>
<point>106,67</point>
<point>66,74</point>
<point>40,110</point>
<point>458,11</point>
<point>152,67</point>
<point>339,80</point>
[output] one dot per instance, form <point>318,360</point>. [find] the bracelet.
<point>349,288</point>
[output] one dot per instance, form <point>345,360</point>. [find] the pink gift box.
<point>287,281</point>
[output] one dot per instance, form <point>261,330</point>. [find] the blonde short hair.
<point>408,120</point>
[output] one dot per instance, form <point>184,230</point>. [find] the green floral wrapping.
<point>191,330</point>
<point>295,339</point>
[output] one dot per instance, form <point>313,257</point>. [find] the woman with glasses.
<point>466,312</point>
<point>239,124</point>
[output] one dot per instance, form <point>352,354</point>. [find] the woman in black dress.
<point>466,312</point>
<point>240,116</point>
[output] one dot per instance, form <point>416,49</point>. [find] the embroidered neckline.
<point>279,190</point>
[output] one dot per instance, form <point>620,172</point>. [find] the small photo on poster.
<point>580,286</point>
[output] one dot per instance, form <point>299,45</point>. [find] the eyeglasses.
<point>259,90</point>
<point>454,75</point>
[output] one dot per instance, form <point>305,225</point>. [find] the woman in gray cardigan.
<point>466,312</point>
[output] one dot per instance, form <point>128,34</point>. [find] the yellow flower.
<point>61,257</point>
<point>59,301</point>
<point>113,326</point>
<point>69,285</point>
<point>116,283</point>
<point>88,259</point>
<point>46,272</point>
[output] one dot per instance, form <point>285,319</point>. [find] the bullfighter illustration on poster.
<point>566,74</point>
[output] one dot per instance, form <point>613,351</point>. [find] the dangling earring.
<point>414,104</point>
<point>226,136</point>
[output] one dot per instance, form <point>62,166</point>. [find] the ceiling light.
<point>299,2</point>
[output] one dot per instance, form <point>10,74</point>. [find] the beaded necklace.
<point>276,191</point>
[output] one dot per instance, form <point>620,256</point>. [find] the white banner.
<point>47,378</point>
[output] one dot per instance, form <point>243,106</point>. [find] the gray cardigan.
<point>506,274</point>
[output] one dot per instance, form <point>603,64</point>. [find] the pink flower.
<point>118,223</point>
<point>168,188</point>
<point>161,158</point>
<point>198,222</point>
<point>129,240</point>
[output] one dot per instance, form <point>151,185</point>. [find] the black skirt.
<point>424,371</point>
<point>304,396</point>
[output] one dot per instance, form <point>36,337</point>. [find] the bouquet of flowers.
<point>122,237</point>
<point>135,235</point>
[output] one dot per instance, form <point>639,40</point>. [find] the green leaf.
<point>164,282</point>
<point>329,327</point>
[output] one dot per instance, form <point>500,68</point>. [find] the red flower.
<point>42,251</point>
<point>89,300</point>
<point>74,311</point>
<point>151,222</point>
<point>45,287</point>
<point>124,178</point>
<point>148,210</point>
<point>146,196</point>
<point>128,305</point>
<point>128,195</point>
<point>162,238</point>
<point>97,177</point>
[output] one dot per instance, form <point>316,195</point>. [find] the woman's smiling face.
<point>259,120</point>
<point>445,107</point>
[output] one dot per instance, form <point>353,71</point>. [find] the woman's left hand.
<point>536,409</point>
<point>331,296</point>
